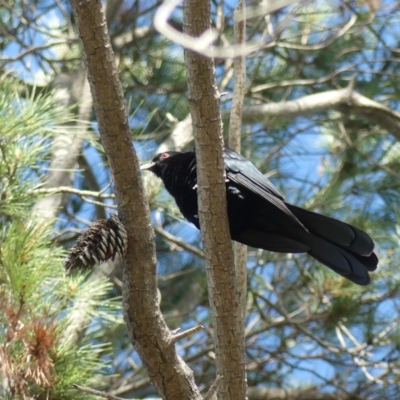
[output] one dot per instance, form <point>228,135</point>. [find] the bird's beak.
<point>147,166</point>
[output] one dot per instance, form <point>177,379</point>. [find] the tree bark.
<point>235,136</point>
<point>147,329</point>
<point>203,99</point>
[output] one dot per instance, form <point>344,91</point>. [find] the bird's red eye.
<point>164,156</point>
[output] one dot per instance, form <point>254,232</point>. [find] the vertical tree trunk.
<point>203,98</point>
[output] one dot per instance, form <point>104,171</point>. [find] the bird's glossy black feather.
<point>260,217</point>
<point>245,174</point>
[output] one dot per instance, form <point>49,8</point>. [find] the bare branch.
<point>261,393</point>
<point>179,242</point>
<point>204,107</point>
<point>235,122</point>
<point>71,190</point>
<point>178,336</point>
<point>213,388</point>
<point>345,100</point>
<point>325,44</point>
<point>35,49</point>
<point>203,44</point>
<point>171,376</point>
<point>96,392</point>
<point>235,130</point>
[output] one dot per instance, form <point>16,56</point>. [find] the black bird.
<point>260,217</point>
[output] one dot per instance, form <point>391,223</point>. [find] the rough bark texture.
<point>204,106</point>
<point>147,329</point>
<point>235,136</point>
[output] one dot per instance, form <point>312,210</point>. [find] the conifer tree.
<point>37,359</point>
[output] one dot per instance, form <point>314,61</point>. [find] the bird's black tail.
<point>344,248</point>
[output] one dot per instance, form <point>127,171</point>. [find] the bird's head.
<point>159,162</point>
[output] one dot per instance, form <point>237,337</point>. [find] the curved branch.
<point>345,100</point>
<point>203,44</point>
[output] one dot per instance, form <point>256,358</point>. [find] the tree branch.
<point>146,326</point>
<point>203,99</point>
<point>179,242</point>
<point>96,392</point>
<point>181,335</point>
<point>260,393</point>
<point>203,43</point>
<point>344,100</point>
<point>213,388</point>
<point>235,135</point>
<point>71,190</point>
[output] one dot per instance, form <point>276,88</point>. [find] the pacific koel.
<point>260,217</point>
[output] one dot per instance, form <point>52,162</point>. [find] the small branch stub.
<point>95,392</point>
<point>102,241</point>
<point>181,335</point>
<point>214,387</point>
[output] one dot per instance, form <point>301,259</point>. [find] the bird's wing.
<point>244,173</point>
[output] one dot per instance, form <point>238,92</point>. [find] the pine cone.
<point>102,241</point>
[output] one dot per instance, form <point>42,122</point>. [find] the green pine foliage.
<point>37,356</point>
